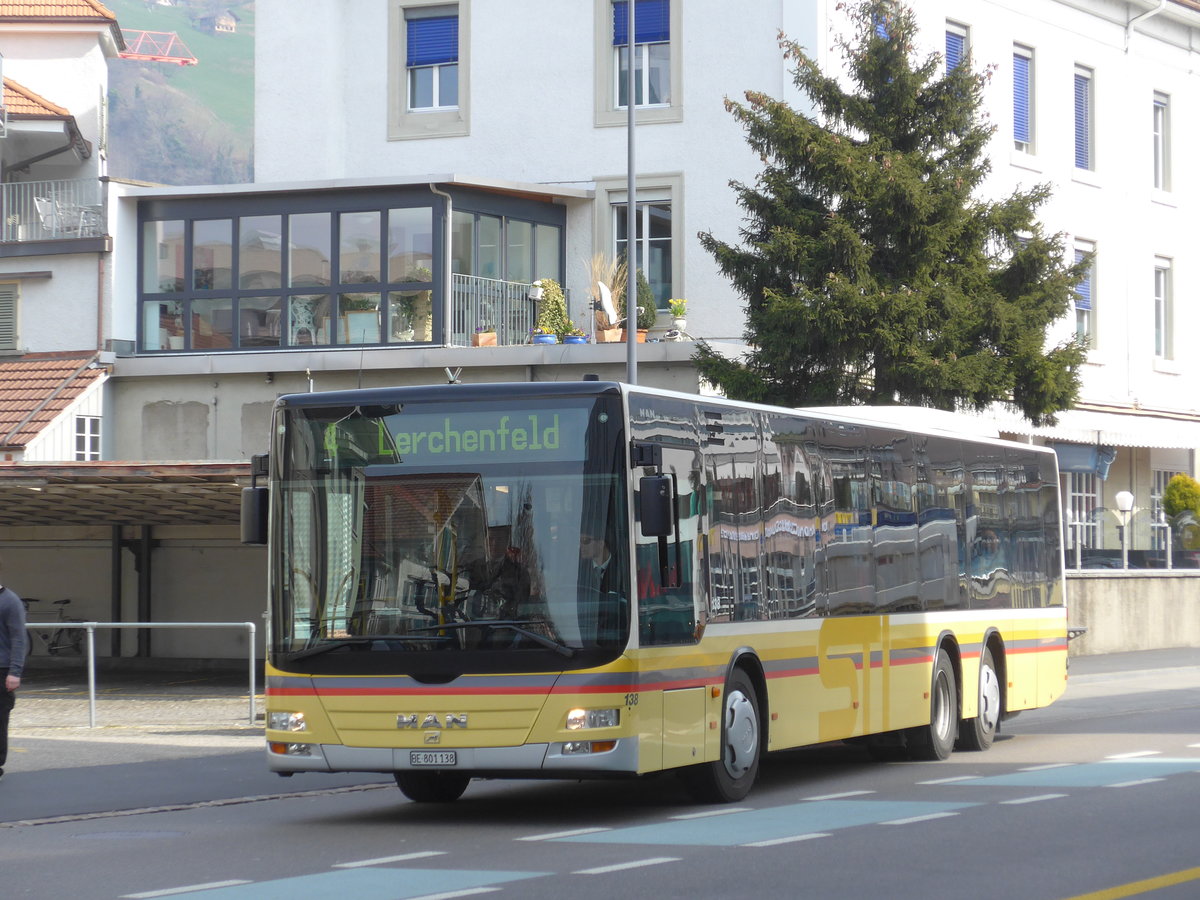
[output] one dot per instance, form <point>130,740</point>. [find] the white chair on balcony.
<point>607,306</point>
<point>48,216</point>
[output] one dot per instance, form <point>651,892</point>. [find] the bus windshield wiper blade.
<point>330,644</point>
<point>516,625</point>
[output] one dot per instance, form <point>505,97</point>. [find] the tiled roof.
<point>60,9</point>
<point>20,101</point>
<point>34,389</point>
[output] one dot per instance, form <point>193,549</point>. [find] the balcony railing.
<point>501,306</point>
<point>51,210</point>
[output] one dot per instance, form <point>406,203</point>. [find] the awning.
<point>1116,429</point>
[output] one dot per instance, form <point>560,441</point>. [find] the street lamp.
<point>1124,506</point>
<point>1074,525</point>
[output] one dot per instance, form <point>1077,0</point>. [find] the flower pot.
<point>641,335</point>
<point>483,339</point>
<point>610,335</point>
<point>679,323</point>
<point>575,339</point>
<point>545,338</point>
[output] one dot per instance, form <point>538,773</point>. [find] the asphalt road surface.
<point>1093,798</point>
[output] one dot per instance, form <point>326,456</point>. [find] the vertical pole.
<point>1169,566</point>
<point>631,308</point>
<point>251,636</point>
<point>1124,540</point>
<point>91,652</point>
<point>115,590</point>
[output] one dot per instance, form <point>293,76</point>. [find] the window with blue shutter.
<point>956,48</point>
<point>1083,290</point>
<point>432,41</point>
<point>1083,119</point>
<point>652,22</point>
<point>651,52</point>
<point>1022,105</point>
<point>431,56</point>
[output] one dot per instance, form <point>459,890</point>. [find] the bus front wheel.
<point>936,740</point>
<point>730,778</point>
<point>979,732</point>
<point>432,787</point>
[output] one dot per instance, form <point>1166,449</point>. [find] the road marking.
<point>146,895</point>
<point>1141,887</point>
<point>1043,768</point>
<point>1134,783</point>
<point>1021,800</point>
<point>925,818</point>
<point>619,867</point>
<point>451,894</point>
<point>404,857</point>
<point>555,835</point>
<point>1190,746</point>
<point>950,780</point>
<point>836,796</point>
<point>713,812</point>
<point>795,838</point>
<point>1135,755</point>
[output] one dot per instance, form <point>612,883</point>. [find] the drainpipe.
<point>447,280</point>
<point>1162,4</point>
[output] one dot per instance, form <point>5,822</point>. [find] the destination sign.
<point>446,438</point>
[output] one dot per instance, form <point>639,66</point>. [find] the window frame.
<point>88,428</point>
<point>1163,309</point>
<point>1086,315</point>
<point>1161,138</point>
<point>1021,51</point>
<point>10,318</point>
<point>606,69</point>
<point>405,123</point>
<point>1084,119</point>
<point>650,189</point>
<point>963,33</point>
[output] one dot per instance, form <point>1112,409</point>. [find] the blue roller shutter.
<point>433,41</point>
<point>652,25</point>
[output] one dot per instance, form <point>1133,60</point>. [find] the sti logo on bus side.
<point>431,720</point>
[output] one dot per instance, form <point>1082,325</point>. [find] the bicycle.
<point>55,641</point>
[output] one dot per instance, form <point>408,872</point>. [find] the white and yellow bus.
<point>592,579</point>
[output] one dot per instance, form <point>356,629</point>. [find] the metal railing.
<point>91,627</point>
<point>51,210</point>
<point>502,306</point>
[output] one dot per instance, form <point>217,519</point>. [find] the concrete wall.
<point>1134,611</point>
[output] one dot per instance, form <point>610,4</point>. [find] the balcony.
<point>505,307</point>
<point>60,210</point>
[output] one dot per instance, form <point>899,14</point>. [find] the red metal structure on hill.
<point>157,46</point>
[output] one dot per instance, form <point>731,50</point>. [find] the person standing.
<point>12,660</point>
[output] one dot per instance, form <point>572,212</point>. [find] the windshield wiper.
<point>330,644</point>
<point>516,625</point>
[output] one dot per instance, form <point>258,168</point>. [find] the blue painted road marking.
<point>1098,774</point>
<point>379,883</point>
<point>768,824</point>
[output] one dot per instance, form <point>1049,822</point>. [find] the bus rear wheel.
<point>936,740</point>
<point>730,778</point>
<point>432,787</point>
<point>979,732</point>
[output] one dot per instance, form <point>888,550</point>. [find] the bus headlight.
<point>578,719</point>
<point>286,721</point>
<point>284,749</point>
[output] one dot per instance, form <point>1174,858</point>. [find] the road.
<point>1094,797</point>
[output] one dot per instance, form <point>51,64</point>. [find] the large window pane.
<point>308,320</point>
<point>658,78</point>
<point>162,257</point>
<point>410,244</point>
<point>420,88</point>
<point>462,252</point>
<point>410,316</point>
<point>260,252</point>
<point>212,324</point>
<point>308,249</point>
<point>448,85</point>
<point>547,241</point>
<point>520,251</point>
<point>489,247</point>
<point>162,325</point>
<point>358,319</point>
<point>212,254</point>
<point>359,243</point>
<point>258,321</point>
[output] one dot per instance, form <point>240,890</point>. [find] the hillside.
<point>175,124</point>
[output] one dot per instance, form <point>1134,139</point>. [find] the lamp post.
<point>1124,506</point>
<point>1166,524</point>
<point>1074,525</point>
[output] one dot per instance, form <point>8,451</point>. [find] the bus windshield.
<point>427,538</point>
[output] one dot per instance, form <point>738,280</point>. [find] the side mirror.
<point>657,500</point>
<point>255,503</point>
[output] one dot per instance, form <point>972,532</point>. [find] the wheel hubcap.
<point>989,698</point>
<point>741,734</point>
<point>941,707</point>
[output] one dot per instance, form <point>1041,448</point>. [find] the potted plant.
<point>647,312</point>
<point>678,313</point>
<point>484,336</point>
<point>608,286</point>
<point>539,335</point>
<point>575,336</point>
<point>552,311</point>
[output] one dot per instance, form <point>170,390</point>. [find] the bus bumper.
<point>532,759</point>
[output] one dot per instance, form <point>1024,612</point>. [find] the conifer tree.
<point>871,271</point>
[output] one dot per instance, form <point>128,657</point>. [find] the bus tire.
<point>936,740</point>
<point>432,787</point>
<point>730,778</point>
<point>979,732</point>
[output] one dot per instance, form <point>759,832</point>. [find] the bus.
<point>594,579</point>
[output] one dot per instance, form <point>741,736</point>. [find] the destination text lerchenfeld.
<point>529,436</point>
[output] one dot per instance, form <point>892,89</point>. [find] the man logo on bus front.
<point>431,720</point>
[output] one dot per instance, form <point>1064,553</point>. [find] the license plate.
<point>433,758</point>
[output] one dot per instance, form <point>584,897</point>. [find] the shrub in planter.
<point>647,313</point>
<point>552,310</point>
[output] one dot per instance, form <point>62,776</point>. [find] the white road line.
<point>950,780</point>
<point>714,812</point>
<point>146,895</point>
<point>925,818</point>
<point>636,864</point>
<point>466,892</point>
<point>1021,800</point>
<point>389,859</point>
<point>836,796</point>
<point>1194,746</point>
<point>775,842</point>
<point>554,835</point>
<point>1137,755</point>
<point>1134,783</point>
<point>1044,767</point>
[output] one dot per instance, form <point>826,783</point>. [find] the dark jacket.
<point>12,632</point>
